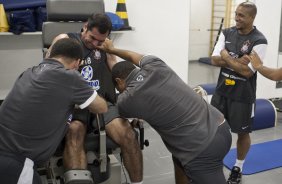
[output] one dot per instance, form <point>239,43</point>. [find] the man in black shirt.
<point>96,70</point>
<point>235,93</point>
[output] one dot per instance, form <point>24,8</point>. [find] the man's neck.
<point>61,60</point>
<point>246,31</point>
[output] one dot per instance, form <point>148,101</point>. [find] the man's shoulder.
<point>260,36</point>
<point>150,60</point>
<point>229,30</point>
<point>55,68</point>
<point>72,35</point>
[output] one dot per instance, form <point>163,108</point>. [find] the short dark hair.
<point>67,47</point>
<point>251,6</point>
<point>122,70</point>
<point>100,21</point>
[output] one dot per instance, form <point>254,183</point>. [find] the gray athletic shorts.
<point>88,118</point>
<point>207,167</point>
<point>240,116</point>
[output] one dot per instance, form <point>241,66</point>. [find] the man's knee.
<point>121,131</point>
<point>76,128</point>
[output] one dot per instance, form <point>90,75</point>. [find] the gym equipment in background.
<point>117,22</point>
<point>122,13</point>
<point>261,157</point>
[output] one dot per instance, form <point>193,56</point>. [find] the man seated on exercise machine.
<point>96,70</point>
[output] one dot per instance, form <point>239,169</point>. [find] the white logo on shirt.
<point>139,78</point>
<point>245,127</point>
<point>97,54</point>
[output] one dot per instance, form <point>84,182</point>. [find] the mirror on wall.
<point>279,62</point>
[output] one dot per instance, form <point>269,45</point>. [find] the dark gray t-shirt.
<point>34,116</point>
<point>184,120</point>
<point>231,84</point>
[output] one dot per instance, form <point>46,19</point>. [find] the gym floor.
<point>158,166</point>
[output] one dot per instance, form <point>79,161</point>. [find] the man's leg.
<point>207,167</point>
<point>241,118</point>
<point>122,133</point>
<point>74,154</point>
<point>243,145</point>
<point>179,174</point>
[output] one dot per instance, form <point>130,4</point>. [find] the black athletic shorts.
<point>239,115</point>
<point>88,118</point>
<point>17,169</point>
<point>207,167</point>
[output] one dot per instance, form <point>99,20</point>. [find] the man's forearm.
<point>238,67</point>
<point>131,56</point>
<point>218,61</point>
<point>111,60</point>
<point>127,55</point>
<point>270,73</point>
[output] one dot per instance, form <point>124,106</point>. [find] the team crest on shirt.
<point>140,78</point>
<point>87,74</point>
<point>97,54</point>
<point>245,46</point>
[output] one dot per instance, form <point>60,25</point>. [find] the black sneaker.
<point>235,176</point>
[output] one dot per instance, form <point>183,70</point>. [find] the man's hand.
<point>255,60</point>
<point>106,46</point>
<point>135,123</point>
<point>224,54</point>
<point>244,60</point>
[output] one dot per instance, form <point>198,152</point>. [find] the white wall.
<point>161,29</point>
<point>268,22</point>
<point>17,53</point>
<point>200,23</point>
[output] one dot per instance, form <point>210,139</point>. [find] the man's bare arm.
<point>236,65</point>
<point>218,61</point>
<point>108,47</point>
<point>60,36</point>
<point>98,105</point>
<point>111,60</point>
<point>270,73</point>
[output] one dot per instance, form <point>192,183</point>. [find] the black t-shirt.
<point>96,71</point>
<point>230,83</point>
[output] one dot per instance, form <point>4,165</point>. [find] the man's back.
<point>157,95</point>
<point>40,101</point>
